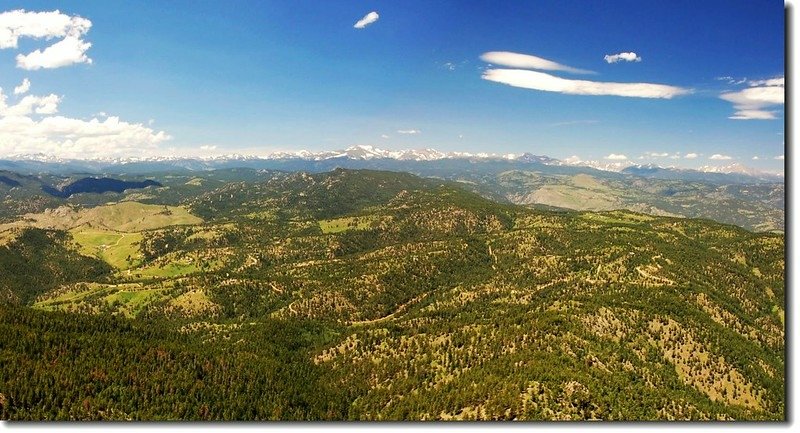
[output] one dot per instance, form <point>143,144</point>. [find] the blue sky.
<point>256,77</point>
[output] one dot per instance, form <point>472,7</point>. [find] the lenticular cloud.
<point>536,80</point>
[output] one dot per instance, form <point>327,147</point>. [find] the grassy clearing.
<point>173,269</point>
<point>130,299</point>
<point>122,217</point>
<point>589,182</point>
<point>132,216</point>
<point>337,225</point>
<point>114,248</point>
<point>192,303</point>
<point>172,266</point>
<point>571,197</point>
<point>133,303</point>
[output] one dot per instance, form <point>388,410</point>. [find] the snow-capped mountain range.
<point>368,153</point>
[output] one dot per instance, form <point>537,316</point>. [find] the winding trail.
<point>391,315</point>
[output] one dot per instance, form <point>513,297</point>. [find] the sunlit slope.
<point>439,304</point>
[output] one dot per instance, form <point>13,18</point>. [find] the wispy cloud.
<point>718,156</point>
<point>777,81</point>
<point>731,80</point>
<point>208,147</point>
<point>616,157</point>
<point>624,57</point>
<point>752,103</point>
<point>526,61</point>
<point>756,158</point>
<point>71,49</point>
<point>408,131</point>
<point>367,20</point>
<point>779,157</point>
<point>550,83</point>
<point>691,155</point>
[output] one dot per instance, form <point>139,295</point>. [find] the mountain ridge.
<point>366,153</point>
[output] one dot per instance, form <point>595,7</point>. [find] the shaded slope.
<point>97,186</point>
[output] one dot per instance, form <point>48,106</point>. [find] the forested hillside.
<point>374,295</point>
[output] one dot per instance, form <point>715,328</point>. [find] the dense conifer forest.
<point>370,295</point>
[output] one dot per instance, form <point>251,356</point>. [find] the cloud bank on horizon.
<point>29,124</point>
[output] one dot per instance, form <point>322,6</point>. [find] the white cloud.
<point>658,154</point>
<point>69,50</point>
<point>779,157</point>
<point>408,131</point>
<point>751,103</point>
<point>30,127</point>
<point>23,87</point>
<point>626,57</point>
<point>574,159</point>
<point>19,23</point>
<point>719,157</point>
<point>756,158</point>
<point>29,104</point>
<point>550,83</point>
<point>777,81</point>
<point>384,136</point>
<point>526,61</point>
<point>690,155</point>
<point>367,20</point>
<point>616,157</point>
<point>208,147</point>
<point>76,138</point>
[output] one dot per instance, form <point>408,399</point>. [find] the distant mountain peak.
<point>366,152</point>
<point>733,168</point>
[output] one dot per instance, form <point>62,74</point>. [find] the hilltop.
<point>732,194</point>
